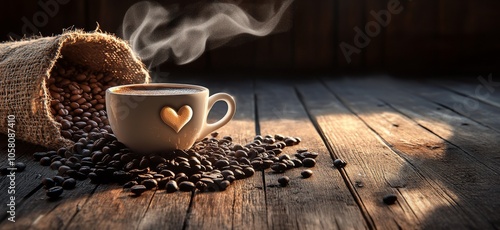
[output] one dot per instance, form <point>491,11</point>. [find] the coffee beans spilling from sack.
<point>210,165</point>
<point>78,99</point>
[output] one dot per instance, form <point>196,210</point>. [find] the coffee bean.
<point>63,169</point>
<point>138,189</point>
<point>20,166</point>
<point>339,163</point>
<point>150,183</point>
<point>306,173</point>
<point>48,182</point>
<point>284,181</point>
<point>130,184</point>
<point>54,192</point>
<point>55,165</point>
<point>39,155</point>
<point>202,187</point>
<point>240,154</point>
<point>310,154</point>
<point>308,162</point>
<point>390,199</point>
<point>223,184</point>
<point>167,173</point>
<point>221,163</point>
<point>172,186</point>
<point>289,141</point>
<point>45,161</point>
<point>279,167</point>
<point>69,183</point>
<point>186,186</point>
<point>249,171</point>
<point>297,162</point>
<point>58,180</point>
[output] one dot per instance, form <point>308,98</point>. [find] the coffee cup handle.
<point>231,109</point>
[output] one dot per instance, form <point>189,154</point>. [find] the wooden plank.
<point>320,202</point>
<point>112,207</point>
<point>374,169</point>
<point>469,183</point>
<point>38,212</point>
<point>242,205</point>
<point>471,108</point>
<point>482,90</point>
<point>477,140</point>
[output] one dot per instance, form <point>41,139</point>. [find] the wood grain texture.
<point>475,139</point>
<point>113,207</point>
<point>320,202</point>
<point>375,169</point>
<point>468,182</point>
<point>39,212</point>
<point>469,107</point>
<point>486,88</point>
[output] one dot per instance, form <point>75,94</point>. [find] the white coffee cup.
<point>163,116</point>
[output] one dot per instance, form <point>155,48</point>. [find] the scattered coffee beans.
<point>390,199</point>
<point>172,186</point>
<point>284,181</point>
<point>20,166</point>
<point>306,173</point>
<point>309,162</point>
<point>69,183</point>
<point>78,99</point>
<point>54,192</point>
<point>210,165</point>
<point>138,189</point>
<point>187,186</point>
<point>339,163</point>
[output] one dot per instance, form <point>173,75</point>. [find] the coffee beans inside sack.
<point>78,99</point>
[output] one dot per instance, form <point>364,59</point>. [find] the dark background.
<point>429,37</point>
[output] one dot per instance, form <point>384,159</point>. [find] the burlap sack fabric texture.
<point>25,67</point>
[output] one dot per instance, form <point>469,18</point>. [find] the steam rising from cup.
<point>157,34</point>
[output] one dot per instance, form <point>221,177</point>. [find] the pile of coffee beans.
<point>210,165</point>
<point>78,99</point>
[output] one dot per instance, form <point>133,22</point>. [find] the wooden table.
<point>435,145</point>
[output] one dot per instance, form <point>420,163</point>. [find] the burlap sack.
<point>25,67</point>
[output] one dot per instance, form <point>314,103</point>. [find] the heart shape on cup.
<point>176,120</point>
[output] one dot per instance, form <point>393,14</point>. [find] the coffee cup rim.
<point>202,89</point>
